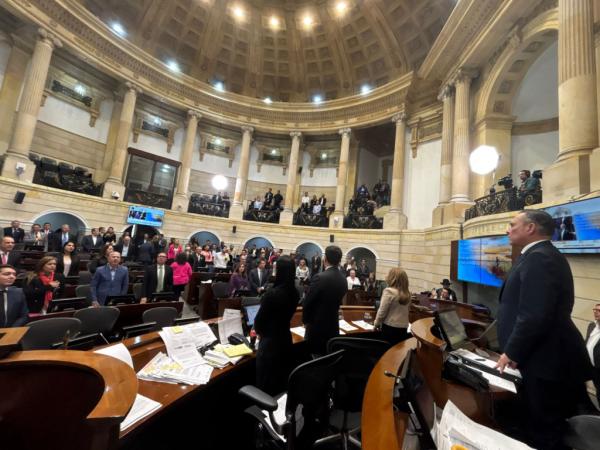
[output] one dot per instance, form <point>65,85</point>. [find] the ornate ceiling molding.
<point>89,38</point>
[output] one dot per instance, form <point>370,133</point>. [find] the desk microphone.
<point>387,373</point>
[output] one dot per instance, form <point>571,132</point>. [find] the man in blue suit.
<point>13,307</point>
<point>536,332</point>
<point>111,279</point>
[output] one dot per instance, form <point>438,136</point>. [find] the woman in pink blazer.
<point>182,274</point>
<point>175,249</point>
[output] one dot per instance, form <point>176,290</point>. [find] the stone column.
<point>287,216</point>
<point>237,208</point>
<point>181,200</point>
<point>395,219</point>
<point>447,97</point>
<point>17,164</point>
<point>462,142</point>
<point>336,219</point>
<point>578,117</point>
<point>114,183</point>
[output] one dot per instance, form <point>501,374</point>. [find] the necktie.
<point>259,277</point>
<point>5,307</point>
<point>159,282</point>
<point>4,258</point>
<point>65,238</point>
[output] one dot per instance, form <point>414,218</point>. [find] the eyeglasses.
<point>596,309</point>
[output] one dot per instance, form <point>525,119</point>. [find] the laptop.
<point>452,330</point>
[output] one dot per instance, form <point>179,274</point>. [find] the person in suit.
<point>268,198</point>
<point>92,241</point>
<point>47,235</point>
<point>592,342</point>
<point>157,278</point>
<point>197,260</point>
<point>315,264</point>
<point>536,333</point>
<point>15,231</point>
<point>322,303</point>
<point>67,262</point>
<point>110,279</point>
<point>13,305</point>
<point>272,324</point>
<point>277,199</point>
<point>564,234</point>
<point>126,249</point>
<point>35,236</point>
<point>146,253</point>
<point>259,277</point>
<point>8,255</point>
<point>61,237</point>
<point>43,285</point>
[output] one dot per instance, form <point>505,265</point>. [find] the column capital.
<point>464,75</point>
<point>49,38</point>
<point>247,129</point>
<point>445,92</point>
<point>194,114</point>
<point>133,87</point>
<point>344,131</point>
<point>400,117</point>
<point>295,134</point>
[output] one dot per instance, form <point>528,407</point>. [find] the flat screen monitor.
<point>65,304</point>
<point>452,328</point>
<point>250,312</point>
<point>113,300</point>
<point>140,215</point>
<point>484,260</point>
<point>163,297</point>
<point>138,330</point>
<point>577,226</point>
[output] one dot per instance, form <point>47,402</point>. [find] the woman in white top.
<point>302,272</point>
<point>352,280</point>
<point>306,202</point>
<point>392,315</point>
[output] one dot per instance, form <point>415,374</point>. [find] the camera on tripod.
<point>506,182</point>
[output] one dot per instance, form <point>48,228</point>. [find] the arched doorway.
<point>359,253</point>
<point>205,237</point>
<point>308,250</point>
<point>140,232</point>
<point>259,242</point>
<point>58,219</point>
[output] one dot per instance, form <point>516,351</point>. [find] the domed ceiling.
<point>286,50</point>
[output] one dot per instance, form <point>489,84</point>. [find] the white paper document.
<point>165,370</point>
<point>456,428</point>
<point>300,331</point>
<point>200,333</point>
<point>231,313</point>
<point>142,407</point>
<point>364,325</point>
<point>181,347</point>
<point>118,351</point>
<point>346,326</point>
<point>227,327</point>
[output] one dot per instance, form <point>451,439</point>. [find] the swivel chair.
<point>44,333</point>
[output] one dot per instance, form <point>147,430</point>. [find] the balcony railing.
<point>504,201</point>
<point>311,220</point>
<point>49,172</point>
<point>262,215</point>
<point>363,221</point>
<point>208,205</point>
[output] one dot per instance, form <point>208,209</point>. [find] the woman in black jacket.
<point>68,260</point>
<point>272,324</point>
<point>101,259</point>
<point>43,285</point>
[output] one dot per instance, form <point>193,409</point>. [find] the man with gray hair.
<point>537,335</point>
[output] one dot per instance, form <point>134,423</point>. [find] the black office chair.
<point>307,398</point>
<point>221,290</point>
<point>99,320</point>
<point>358,362</point>
<point>85,277</point>
<point>44,333</point>
<point>164,316</point>
<point>249,301</point>
<point>138,291</point>
<point>84,290</point>
<point>583,432</point>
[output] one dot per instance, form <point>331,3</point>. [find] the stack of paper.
<point>230,325</point>
<point>218,357</point>
<point>142,407</point>
<point>345,326</point>
<point>364,325</point>
<point>237,350</point>
<point>164,369</point>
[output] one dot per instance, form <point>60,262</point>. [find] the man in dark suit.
<point>157,278</point>
<point>537,335</point>
<point>13,306</point>
<point>8,255</point>
<point>315,264</point>
<point>259,277</point>
<point>592,342</point>
<point>146,253</point>
<point>110,279</point>
<point>61,237</point>
<point>92,241</point>
<point>268,198</point>
<point>126,249</point>
<point>322,303</point>
<point>15,231</point>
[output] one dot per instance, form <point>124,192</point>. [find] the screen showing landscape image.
<point>484,260</point>
<point>577,226</point>
<point>138,215</point>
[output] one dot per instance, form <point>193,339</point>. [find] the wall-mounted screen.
<point>139,215</point>
<point>484,260</point>
<point>577,226</point>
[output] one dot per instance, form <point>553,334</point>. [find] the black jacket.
<point>35,292</point>
<point>55,243</point>
<point>17,308</point>
<point>87,243</point>
<point>534,319</point>
<point>17,235</point>
<point>272,322</point>
<point>321,308</point>
<point>151,279</point>
<point>73,270</point>
<point>255,283</point>
<point>14,259</point>
<point>146,253</point>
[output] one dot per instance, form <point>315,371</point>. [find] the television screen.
<point>577,226</point>
<point>139,215</point>
<point>484,260</point>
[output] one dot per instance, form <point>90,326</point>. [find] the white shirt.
<point>220,261</point>
<point>531,244</point>
<point>306,200</point>
<point>592,341</point>
<point>351,282</point>
<point>125,251</point>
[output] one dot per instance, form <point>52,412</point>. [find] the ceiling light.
<point>218,141</point>
<point>156,121</point>
<point>219,182</point>
<point>273,152</point>
<point>341,7</point>
<point>317,99</point>
<point>365,89</point>
<point>219,86</point>
<point>307,21</point>
<point>323,155</point>
<point>172,65</point>
<point>484,159</point>
<point>80,89</point>
<point>268,100</point>
<point>118,28</point>
<point>238,12</point>
<point>274,22</point>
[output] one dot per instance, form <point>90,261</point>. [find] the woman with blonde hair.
<point>392,315</point>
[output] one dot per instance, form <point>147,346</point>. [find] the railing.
<point>209,206</point>
<point>63,176</point>
<point>504,201</point>
<point>262,215</point>
<point>363,221</point>
<point>311,220</point>
<point>148,198</point>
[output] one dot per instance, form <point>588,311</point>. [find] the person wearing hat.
<point>440,293</point>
